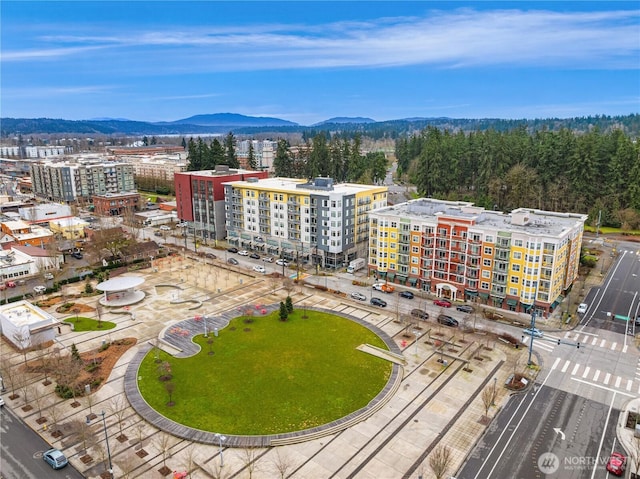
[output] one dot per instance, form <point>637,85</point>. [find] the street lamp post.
<point>221,439</point>
<point>106,440</point>
<point>417,335</point>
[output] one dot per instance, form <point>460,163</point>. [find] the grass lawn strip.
<point>269,376</point>
<point>87,324</point>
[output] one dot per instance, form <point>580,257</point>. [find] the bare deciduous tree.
<point>26,389</point>
<point>83,432</point>
<point>282,463</point>
<point>140,434</point>
<point>440,461</point>
<point>10,376</point>
<point>488,397</point>
<point>54,413</point>
<point>127,465</point>
<point>163,443</point>
<point>189,459</point>
<point>118,408</point>
<point>249,457</point>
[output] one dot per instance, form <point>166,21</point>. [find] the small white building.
<point>26,325</point>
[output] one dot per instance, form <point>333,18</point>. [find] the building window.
<point>486,262</point>
<point>486,274</point>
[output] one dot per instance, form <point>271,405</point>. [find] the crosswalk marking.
<point>624,349</point>
<point>607,378</point>
<point>613,346</point>
<point>566,366</point>
<point>618,381</point>
<point>596,375</point>
<point>586,372</point>
<point>595,340</point>
<point>584,340</point>
<point>602,343</point>
<point>575,369</point>
<point>629,383</point>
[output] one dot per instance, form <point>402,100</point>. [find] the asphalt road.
<point>21,452</point>
<point>578,432</point>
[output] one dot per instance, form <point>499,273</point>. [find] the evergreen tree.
<point>283,312</point>
<point>289,305</point>
<point>217,156</point>
<point>230,157</point>
<point>282,163</point>
<point>251,158</point>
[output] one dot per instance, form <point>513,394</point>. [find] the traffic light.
<point>558,342</point>
<point>578,345</point>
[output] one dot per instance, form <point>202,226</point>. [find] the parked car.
<point>582,308</point>
<point>254,256</point>
<point>210,256</point>
<point>447,321</point>
<point>378,302</point>
<point>55,458</point>
<point>182,225</point>
<point>442,303</point>
<point>418,313</point>
<point>406,294</point>
<point>244,252</point>
<point>384,287</point>
<point>617,464</point>
<point>282,262</point>
<point>638,320</point>
<point>48,275</point>
<point>39,289</point>
<point>465,308</point>
<point>165,228</point>
<point>158,233</point>
<point>259,269</point>
<point>268,259</point>
<point>358,296</point>
<point>11,284</point>
<point>232,261</point>
<point>77,255</point>
<point>232,250</point>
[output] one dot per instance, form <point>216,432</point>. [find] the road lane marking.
<point>586,372</point>
<point>604,432</point>
<point>607,378</point>
<point>565,367</point>
<point>575,369</point>
<point>522,416</point>
<point>600,386</point>
<point>602,343</point>
<point>629,383</point>
<point>618,381</point>
<point>613,346</point>
<point>596,375</point>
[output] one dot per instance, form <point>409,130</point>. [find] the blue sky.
<point>310,61</point>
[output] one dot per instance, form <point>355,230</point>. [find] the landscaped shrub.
<point>289,305</point>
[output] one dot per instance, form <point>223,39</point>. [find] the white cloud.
<point>461,38</point>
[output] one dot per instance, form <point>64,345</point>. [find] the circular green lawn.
<point>269,376</point>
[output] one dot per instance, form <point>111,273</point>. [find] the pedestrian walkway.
<point>591,374</point>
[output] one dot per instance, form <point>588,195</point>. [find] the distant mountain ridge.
<point>222,123</point>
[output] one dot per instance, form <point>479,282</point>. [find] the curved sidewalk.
<point>163,423</point>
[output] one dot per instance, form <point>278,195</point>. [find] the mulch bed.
<point>27,408</point>
<point>142,453</point>
<point>164,470</point>
<point>122,438</point>
<point>86,459</point>
<point>41,420</point>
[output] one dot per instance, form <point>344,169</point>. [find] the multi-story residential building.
<point>464,252</point>
<point>291,217</point>
<point>73,181</point>
<point>159,168</point>
<point>200,199</point>
<point>264,152</point>
<point>117,204</point>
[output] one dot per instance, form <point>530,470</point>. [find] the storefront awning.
<point>470,292</point>
<point>512,302</point>
<point>382,274</point>
<point>554,304</point>
<point>484,295</point>
<point>390,276</point>
<point>413,281</point>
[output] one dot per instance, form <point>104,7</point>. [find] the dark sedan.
<point>378,302</point>
<point>254,256</point>
<point>232,250</point>
<point>447,321</point>
<point>406,294</point>
<point>465,308</point>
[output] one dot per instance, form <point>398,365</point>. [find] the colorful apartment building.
<point>200,199</point>
<point>463,252</point>
<point>317,220</point>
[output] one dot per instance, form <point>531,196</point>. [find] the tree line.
<point>206,156</point>
<point>551,170</point>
